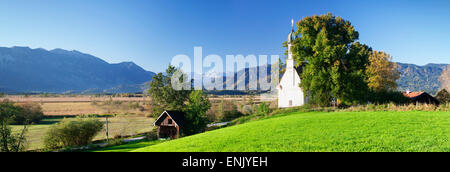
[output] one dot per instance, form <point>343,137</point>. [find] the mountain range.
<point>429,78</point>
<point>26,70</point>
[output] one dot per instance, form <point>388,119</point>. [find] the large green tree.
<point>196,108</point>
<point>163,94</point>
<point>334,62</point>
<point>10,142</point>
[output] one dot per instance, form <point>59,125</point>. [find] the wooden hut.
<point>421,97</point>
<point>170,124</point>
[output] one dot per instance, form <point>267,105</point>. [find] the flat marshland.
<point>62,105</point>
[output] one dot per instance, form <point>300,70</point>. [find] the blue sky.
<point>151,32</point>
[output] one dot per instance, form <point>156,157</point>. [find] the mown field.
<point>413,131</point>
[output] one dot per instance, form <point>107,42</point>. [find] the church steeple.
<point>290,60</point>
<point>289,92</point>
<point>291,37</point>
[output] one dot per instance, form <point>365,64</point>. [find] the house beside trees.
<point>191,104</point>
<point>421,98</point>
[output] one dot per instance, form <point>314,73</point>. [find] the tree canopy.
<point>196,108</point>
<point>10,142</point>
<point>335,63</point>
<point>443,96</point>
<point>163,94</point>
<point>381,72</point>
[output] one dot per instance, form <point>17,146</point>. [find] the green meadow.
<point>413,131</point>
<point>126,147</point>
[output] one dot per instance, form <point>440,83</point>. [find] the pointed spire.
<point>292,22</point>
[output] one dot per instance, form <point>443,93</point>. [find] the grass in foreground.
<point>321,131</point>
<point>127,147</point>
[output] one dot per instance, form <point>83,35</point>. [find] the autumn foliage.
<point>382,73</point>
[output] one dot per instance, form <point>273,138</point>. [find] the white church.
<point>289,92</point>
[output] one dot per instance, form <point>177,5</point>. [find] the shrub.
<point>443,96</point>
<point>151,135</point>
<point>247,109</point>
<point>217,113</point>
<point>384,97</point>
<point>263,109</point>
<point>211,115</point>
<point>30,113</point>
<point>72,132</point>
<point>230,115</point>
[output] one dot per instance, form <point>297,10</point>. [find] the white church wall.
<point>289,92</point>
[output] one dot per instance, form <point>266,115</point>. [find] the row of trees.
<point>337,66</point>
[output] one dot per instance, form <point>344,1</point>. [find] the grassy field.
<point>120,125</point>
<point>126,147</point>
<point>321,131</point>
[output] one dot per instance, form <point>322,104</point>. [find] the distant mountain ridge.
<point>413,77</point>
<point>26,70</point>
<point>421,78</point>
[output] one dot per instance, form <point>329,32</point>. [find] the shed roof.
<point>421,97</point>
<point>412,94</point>
<point>177,116</point>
